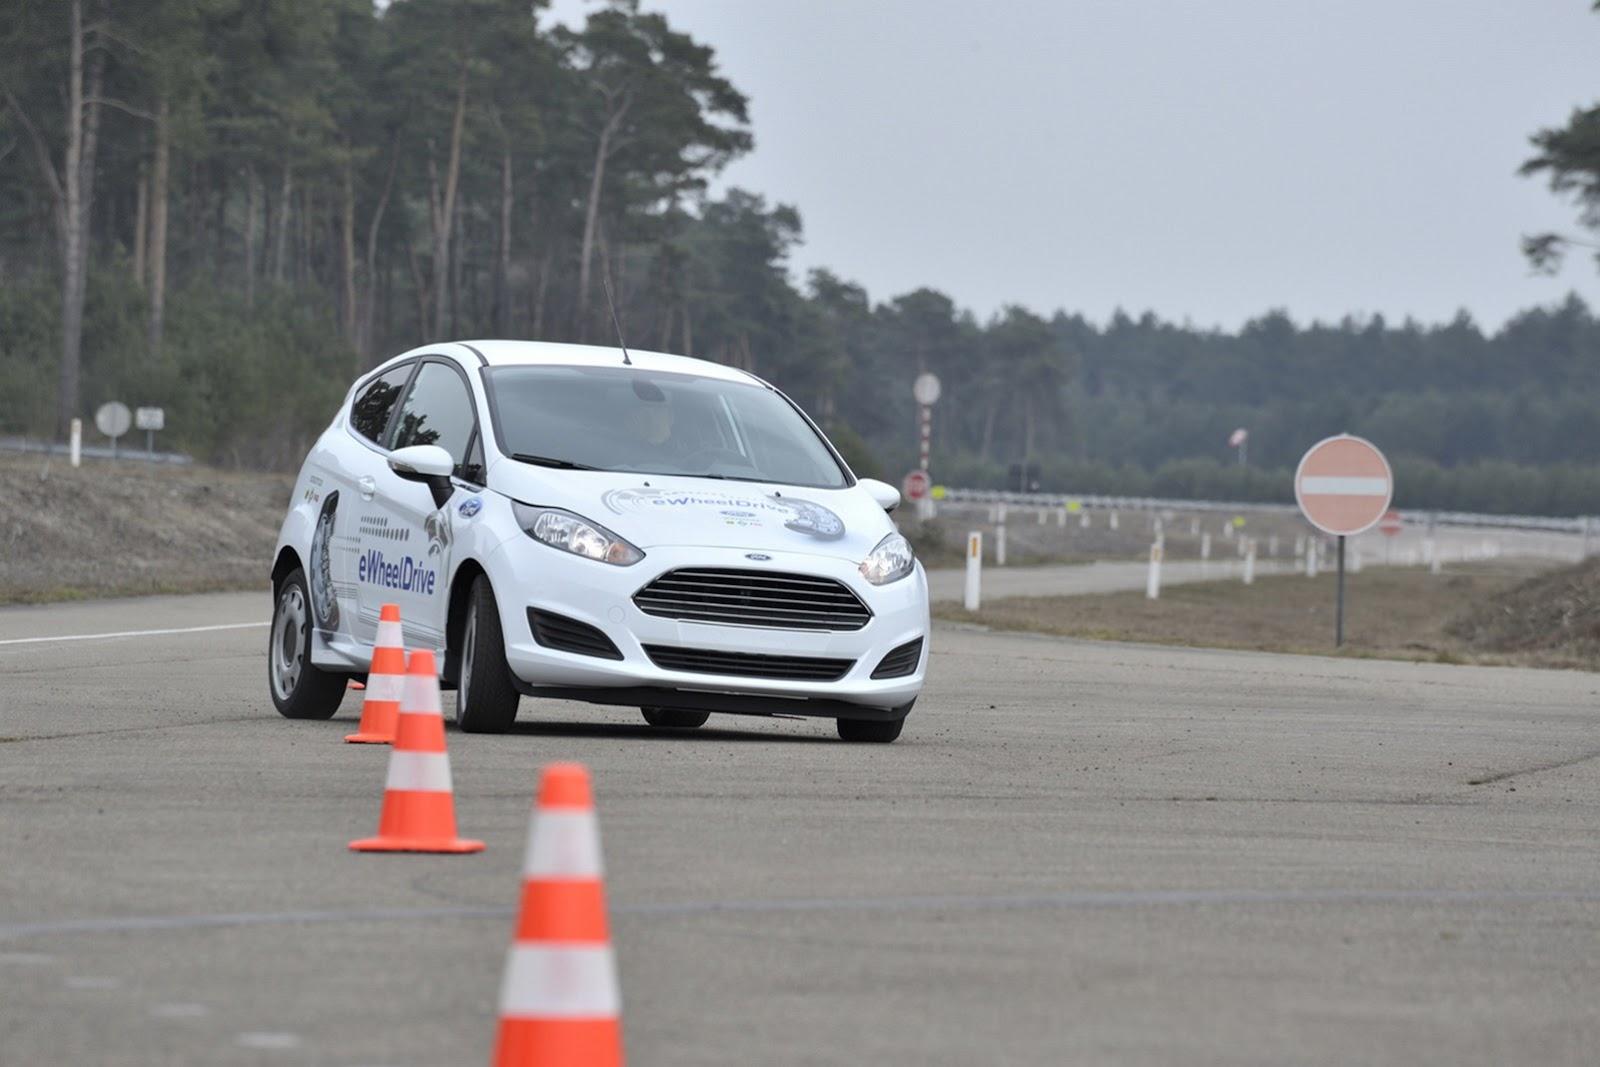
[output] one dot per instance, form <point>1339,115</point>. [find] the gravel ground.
<point>126,527</point>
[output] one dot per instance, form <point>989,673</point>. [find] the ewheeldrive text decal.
<point>408,575</point>
<point>801,516</point>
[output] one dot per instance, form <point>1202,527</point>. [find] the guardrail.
<point>1585,525</point>
<point>23,444</point>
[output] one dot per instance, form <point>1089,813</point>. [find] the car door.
<point>349,473</point>
<point>406,535</point>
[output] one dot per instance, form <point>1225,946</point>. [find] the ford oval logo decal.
<point>759,557</point>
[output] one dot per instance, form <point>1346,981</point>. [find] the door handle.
<point>368,486</point>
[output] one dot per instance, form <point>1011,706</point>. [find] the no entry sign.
<point>915,485</point>
<point>1391,524</point>
<point>1343,485</point>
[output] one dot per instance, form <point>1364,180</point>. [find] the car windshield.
<point>626,419</point>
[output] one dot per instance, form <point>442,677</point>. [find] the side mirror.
<point>428,464</point>
<point>886,495</point>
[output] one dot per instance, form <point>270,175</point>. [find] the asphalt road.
<point>1078,853</point>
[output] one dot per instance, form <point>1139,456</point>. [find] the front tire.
<point>674,718</point>
<point>873,731</point>
<point>486,696</point>
<point>300,689</point>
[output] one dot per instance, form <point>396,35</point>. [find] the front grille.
<point>900,661</point>
<point>570,635</point>
<point>748,665</point>
<point>770,599</point>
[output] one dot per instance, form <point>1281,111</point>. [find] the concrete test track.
<point>1078,853</point>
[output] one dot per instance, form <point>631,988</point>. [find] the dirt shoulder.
<point>126,528</point>
<point>1399,613</point>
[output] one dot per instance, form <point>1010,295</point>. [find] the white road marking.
<point>264,1039</point>
<point>92,982</point>
<point>131,633</point>
<point>26,957</point>
<point>182,1010</point>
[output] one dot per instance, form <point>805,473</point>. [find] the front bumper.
<point>526,574</point>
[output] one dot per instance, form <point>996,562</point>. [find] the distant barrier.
<point>23,444</point>
<point>1585,525</point>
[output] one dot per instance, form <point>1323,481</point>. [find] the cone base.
<point>453,846</point>
<point>369,739</point>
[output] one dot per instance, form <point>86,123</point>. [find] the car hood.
<point>661,510</point>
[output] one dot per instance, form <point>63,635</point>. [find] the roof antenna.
<point>605,278</point>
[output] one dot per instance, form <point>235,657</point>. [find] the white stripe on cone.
<point>1331,485</point>
<point>389,635</point>
<point>385,686</point>
<point>563,844</point>
<point>565,982</point>
<point>420,696</point>
<point>419,772</point>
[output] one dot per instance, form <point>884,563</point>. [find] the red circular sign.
<point>1343,485</point>
<point>916,485</point>
<point>1391,524</point>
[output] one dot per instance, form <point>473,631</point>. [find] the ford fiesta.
<point>579,523</point>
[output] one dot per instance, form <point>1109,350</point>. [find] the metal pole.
<point>1338,625</point>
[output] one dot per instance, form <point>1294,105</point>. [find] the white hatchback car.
<point>575,522</point>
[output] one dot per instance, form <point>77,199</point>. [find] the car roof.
<point>546,353</point>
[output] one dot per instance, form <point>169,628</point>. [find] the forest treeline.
<point>230,207</point>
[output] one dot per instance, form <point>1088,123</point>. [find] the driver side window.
<point>437,411</point>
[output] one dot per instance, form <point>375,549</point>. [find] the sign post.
<point>1343,486</point>
<point>150,420</point>
<point>113,420</point>
<point>925,390</point>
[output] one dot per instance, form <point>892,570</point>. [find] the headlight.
<point>889,562</point>
<point>575,534</point>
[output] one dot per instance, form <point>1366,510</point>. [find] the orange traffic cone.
<point>419,810</point>
<point>380,708</point>
<point>559,1002</point>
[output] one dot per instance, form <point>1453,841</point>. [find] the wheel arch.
<point>455,625</point>
<point>288,559</point>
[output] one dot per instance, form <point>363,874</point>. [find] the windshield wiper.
<point>547,461</point>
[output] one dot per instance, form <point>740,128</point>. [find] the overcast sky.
<point>1205,159</point>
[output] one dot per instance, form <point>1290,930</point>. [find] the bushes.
<point>242,386</point>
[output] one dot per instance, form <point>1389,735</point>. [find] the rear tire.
<point>300,689</point>
<point>486,696</point>
<point>873,731</point>
<point>674,718</point>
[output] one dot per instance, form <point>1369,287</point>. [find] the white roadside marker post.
<point>974,570</point>
<point>1249,563</point>
<point>1205,553</point>
<point>75,443</point>
<point>1061,517</point>
<point>1355,559</point>
<point>1311,560</point>
<point>1083,519</point>
<point>1272,546</point>
<point>1152,582</point>
<point>1113,520</point>
<point>1000,545</point>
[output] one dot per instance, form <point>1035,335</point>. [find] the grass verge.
<point>1405,614</point>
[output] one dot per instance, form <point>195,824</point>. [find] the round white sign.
<point>113,419</point>
<point>926,389</point>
